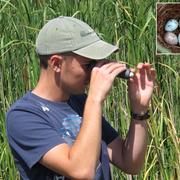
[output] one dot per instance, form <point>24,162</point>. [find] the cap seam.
<point>46,51</point>
<point>72,41</point>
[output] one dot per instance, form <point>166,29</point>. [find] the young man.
<point>56,131</point>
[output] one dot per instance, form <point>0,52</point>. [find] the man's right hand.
<point>102,78</point>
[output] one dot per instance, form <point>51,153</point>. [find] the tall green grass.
<point>128,24</point>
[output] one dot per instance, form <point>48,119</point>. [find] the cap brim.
<point>97,50</point>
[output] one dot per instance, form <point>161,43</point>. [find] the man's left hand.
<point>140,88</point>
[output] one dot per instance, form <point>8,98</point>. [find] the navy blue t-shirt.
<point>35,125</point>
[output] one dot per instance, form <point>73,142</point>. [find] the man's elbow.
<point>133,166</point>
<point>133,170</point>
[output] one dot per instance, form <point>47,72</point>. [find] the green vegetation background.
<point>128,24</point>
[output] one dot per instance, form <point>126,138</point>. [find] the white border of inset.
<point>156,28</point>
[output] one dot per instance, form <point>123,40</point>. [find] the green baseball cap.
<point>68,34</point>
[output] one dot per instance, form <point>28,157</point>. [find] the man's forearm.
<point>135,145</point>
<point>86,149</point>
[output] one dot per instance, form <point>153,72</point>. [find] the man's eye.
<point>88,66</point>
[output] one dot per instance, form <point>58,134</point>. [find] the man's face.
<point>75,73</point>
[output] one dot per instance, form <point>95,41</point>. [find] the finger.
<point>146,65</point>
<point>117,70</point>
<point>133,84</point>
<point>153,73</point>
<point>143,65</point>
<point>139,77</point>
<point>113,69</point>
<point>139,66</point>
<point>144,70</point>
<point>105,64</point>
<point>142,73</point>
<point>110,66</point>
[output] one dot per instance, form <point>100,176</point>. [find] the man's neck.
<point>50,95</point>
<point>48,89</point>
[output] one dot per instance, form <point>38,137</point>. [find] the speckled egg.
<point>171,25</point>
<point>170,38</point>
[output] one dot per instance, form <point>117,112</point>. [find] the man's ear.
<point>55,63</point>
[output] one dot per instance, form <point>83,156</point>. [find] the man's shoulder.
<point>25,104</point>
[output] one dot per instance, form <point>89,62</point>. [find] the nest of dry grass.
<point>164,13</point>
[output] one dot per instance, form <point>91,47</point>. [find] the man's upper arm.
<point>57,159</point>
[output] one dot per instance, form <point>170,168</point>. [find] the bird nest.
<point>164,13</point>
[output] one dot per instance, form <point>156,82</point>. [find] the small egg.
<point>171,38</point>
<point>171,25</point>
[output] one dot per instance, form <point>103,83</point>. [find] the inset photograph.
<point>168,28</point>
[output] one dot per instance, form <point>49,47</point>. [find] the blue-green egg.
<point>171,25</point>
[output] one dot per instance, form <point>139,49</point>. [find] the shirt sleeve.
<point>30,135</point>
<point>108,132</point>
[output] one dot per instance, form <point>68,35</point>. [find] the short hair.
<point>44,60</point>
